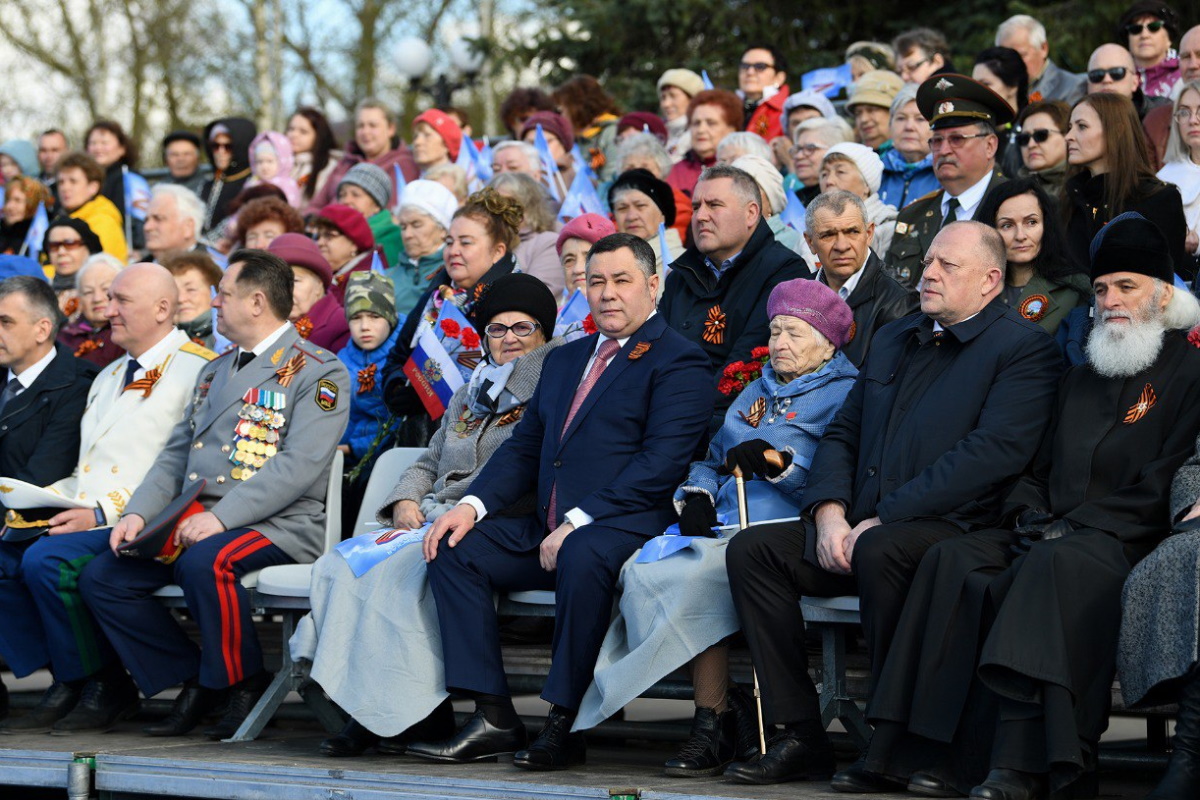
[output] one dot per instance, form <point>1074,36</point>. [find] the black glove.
<point>750,457</point>
<point>698,517</point>
<point>1055,529</point>
<point>1032,521</point>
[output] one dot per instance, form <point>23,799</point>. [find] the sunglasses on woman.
<point>1039,135</point>
<point>498,330</point>
<point>1133,29</point>
<point>1097,75</point>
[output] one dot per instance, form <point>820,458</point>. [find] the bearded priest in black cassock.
<point>998,681</point>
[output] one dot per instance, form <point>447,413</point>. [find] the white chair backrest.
<point>333,503</point>
<point>383,479</point>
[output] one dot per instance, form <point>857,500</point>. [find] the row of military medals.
<point>257,433</point>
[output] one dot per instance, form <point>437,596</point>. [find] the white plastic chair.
<point>284,590</point>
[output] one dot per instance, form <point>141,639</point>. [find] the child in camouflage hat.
<point>371,314</point>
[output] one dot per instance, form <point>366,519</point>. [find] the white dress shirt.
<point>26,378</point>
<point>265,344</point>
<point>968,201</point>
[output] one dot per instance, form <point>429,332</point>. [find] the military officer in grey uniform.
<point>261,429</point>
<point>964,115</point>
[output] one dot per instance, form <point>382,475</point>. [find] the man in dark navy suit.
<point>605,440</point>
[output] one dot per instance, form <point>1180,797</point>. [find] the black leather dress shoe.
<point>191,705</point>
<point>555,747</point>
<point>708,749</point>
<point>932,783</point>
<point>57,701</point>
<point>787,759</point>
<point>242,699</point>
<point>1009,784</point>
<point>437,727</point>
<point>857,779</point>
<point>478,740</point>
<point>101,704</point>
<point>352,740</point>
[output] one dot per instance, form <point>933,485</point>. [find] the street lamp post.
<point>414,57</point>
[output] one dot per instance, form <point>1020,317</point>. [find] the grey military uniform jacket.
<point>285,499</point>
<point>916,225</point>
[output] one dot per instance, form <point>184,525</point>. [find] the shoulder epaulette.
<point>197,350</point>
<point>922,198</point>
<point>318,354</point>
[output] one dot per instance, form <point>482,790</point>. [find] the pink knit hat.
<point>814,303</point>
<point>589,227</point>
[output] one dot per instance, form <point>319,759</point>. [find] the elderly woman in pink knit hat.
<point>676,608</point>
<point>574,241</point>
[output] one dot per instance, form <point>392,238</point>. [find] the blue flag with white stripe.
<point>581,198</point>
<point>549,166</point>
<point>708,84</point>
<point>137,195</point>
<point>792,214</point>
<point>37,232</point>
<point>398,179</point>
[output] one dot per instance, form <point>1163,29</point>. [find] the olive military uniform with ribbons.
<point>262,436</point>
<point>947,101</point>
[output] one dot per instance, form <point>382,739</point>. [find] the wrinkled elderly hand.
<point>1055,529</point>
<point>407,514</point>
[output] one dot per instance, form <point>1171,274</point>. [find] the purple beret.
<point>300,251</point>
<point>816,304</point>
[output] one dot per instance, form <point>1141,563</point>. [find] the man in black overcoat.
<point>945,415</point>
<point>1004,655</point>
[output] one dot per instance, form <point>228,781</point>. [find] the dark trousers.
<point>885,559</point>
<point>464,579</point>
<point>146,637</point>
<point>46,621</point>
<point>768,575</point>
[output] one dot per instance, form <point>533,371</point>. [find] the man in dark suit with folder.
<point>604,442</point>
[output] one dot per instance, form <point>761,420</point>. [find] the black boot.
<point>352,740</point>
<point>437,727</point>
<point>1182,779</point>
<point>745,715</point>
<point>191,705</point>
<point>107,697</point>
<point>555,747</point>
<point>242,699</point>
<point>56,703</point>
<point>708,749</point>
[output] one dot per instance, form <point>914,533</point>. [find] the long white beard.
<point>1120,350</point>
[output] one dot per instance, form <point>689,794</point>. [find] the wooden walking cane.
<point>776,460</point>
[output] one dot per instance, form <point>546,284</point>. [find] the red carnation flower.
<point>589,325</point>
<point>470,339</point>
<point>760,352</point>
<point>451,328</point>
<point>1194,336</point>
